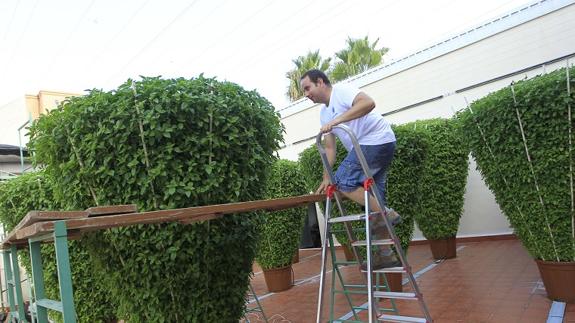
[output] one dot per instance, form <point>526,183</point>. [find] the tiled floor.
<point>489,281</point>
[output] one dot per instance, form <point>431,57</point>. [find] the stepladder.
<point>375,211</point>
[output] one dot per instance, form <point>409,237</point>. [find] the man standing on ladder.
<point>344,104</point>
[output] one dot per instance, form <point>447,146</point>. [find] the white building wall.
<point>13,115</point>
<point>546,32</point>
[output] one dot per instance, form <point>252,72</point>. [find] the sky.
<point>74,45</point>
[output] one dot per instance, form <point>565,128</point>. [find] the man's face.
<point>313,91</point>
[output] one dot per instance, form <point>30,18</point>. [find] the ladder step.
<point>395,295</point>
<point>401,319</point>
<point>345,263</point>
<point>383,242</point>
<point>50,304</point>
<point>347,218</point>
<point>388,270</point>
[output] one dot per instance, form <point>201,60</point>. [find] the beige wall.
<point>14,114</point>
<point>545,38</point>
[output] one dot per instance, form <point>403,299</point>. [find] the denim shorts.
<point>349,175</point>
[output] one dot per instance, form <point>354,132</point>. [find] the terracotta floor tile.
<point>490,281</point>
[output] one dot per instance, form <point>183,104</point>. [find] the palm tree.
<point>359,56</point>
<point>312,60</point>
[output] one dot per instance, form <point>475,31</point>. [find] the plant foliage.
<point>312,60</point>
<point>164,144</point>
<point>280,231</point>
<point>34,191</point>
<point>444,178</point>
<point>522,139</point>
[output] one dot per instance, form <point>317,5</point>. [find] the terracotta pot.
<point>443,248</point>
<point>395,281</point>
<point>295,258</point>
<point>559,279</point>
<point>348,252</point>
<point>278,279</point>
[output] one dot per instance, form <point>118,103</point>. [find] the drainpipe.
<point>20,144</point>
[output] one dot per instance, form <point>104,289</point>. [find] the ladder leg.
<point>17,284</point>
<point>38,279</point>
<point>370,299</point>
<point>324,246</point>
<point>337,272</point>
<point>260,308</point>
<point>9,278</point>
<point>64,273</point>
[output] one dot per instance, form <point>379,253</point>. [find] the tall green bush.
<point>34,191</point>
<point>444,178</point>
<point>280,231</point>
<point>536,194</point>
<point>404,177</point>
<point>162,144</point>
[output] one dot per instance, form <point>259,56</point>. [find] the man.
<point>347,105</point>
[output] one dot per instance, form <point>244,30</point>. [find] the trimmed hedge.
<point>163,144</point>
<point>444,179</point>
<point>403,181</point>
<point>33,191</point>
<point>280,231</point>
<point>535,196</point>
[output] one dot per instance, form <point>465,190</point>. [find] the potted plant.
<point>164,144</point>
<point>522,139</point>
<point>35,191</point>
<point>443,185</point>
<point>402,185</point>
<point>280,231</point>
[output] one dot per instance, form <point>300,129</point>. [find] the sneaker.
<point>378,227</point>
<point>380,262</point>
<point>393,216</point>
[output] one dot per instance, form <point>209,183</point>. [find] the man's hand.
<point>328,126</point>
<point>322,187</point>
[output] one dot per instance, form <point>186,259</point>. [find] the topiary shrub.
<point>162,144</point>
<point>534,191</point>
<point>444,179</point>
<point>402,191</point>
<point>280,231</point>
<point>34,191</point>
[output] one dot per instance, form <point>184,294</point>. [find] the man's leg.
<point>384,256</point>
<point>359,196</point>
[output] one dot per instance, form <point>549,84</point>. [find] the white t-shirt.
<point>371,129</point>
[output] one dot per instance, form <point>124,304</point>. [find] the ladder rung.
<point>50,304</point>
<point>373,242</point>
<point>388,270</point>
<point>395,295</point>
<point>346,263</point>
<point>401,319</point>
<point>347,218</point>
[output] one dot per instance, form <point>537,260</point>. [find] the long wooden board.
<point>183,215</point>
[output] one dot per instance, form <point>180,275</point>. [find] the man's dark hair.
<point>315,75</point>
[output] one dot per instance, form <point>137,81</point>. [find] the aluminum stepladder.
<point>369,187</point>
<point>253,297</point>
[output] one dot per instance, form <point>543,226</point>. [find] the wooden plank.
<point>112,209</point>
<point>186,215</point>
<point>39,216</point>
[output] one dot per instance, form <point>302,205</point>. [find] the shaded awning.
<point>12,150</point>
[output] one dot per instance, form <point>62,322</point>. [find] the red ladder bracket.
<point>331,188</point>
<point>367,183</point>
